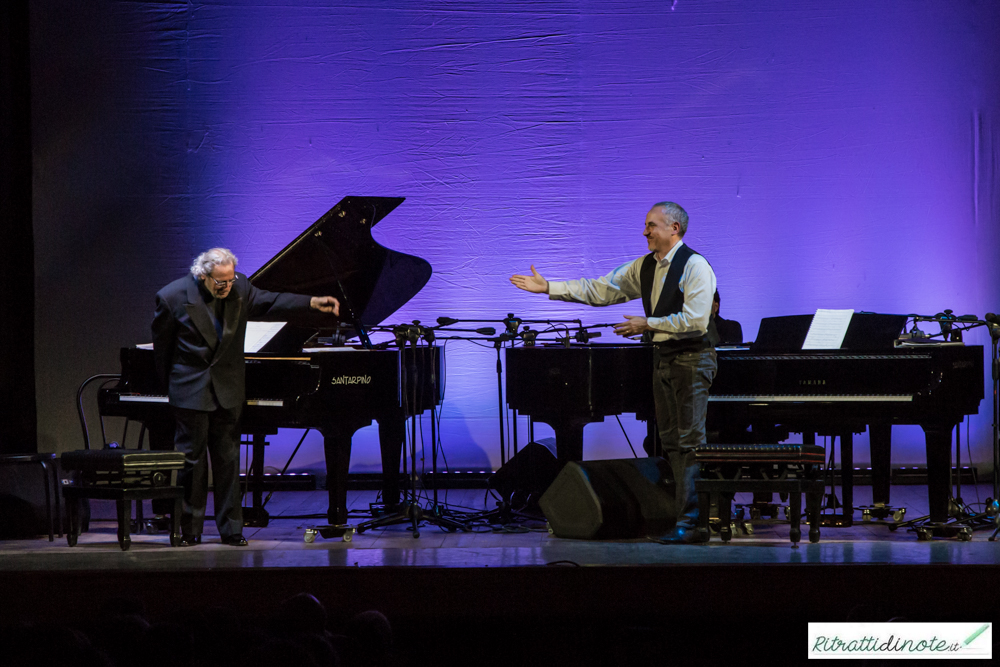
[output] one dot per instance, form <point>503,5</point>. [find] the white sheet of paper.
<point>258,335</point>
<point>828,329</point>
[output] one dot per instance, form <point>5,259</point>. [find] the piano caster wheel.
<point>965,535</point>
<point>548,527</point>
<point>866,515</point>
<point>899,514</point>
<point>923,535</point>
<point>785,511</point>
<point>343,531</point>
<point>747,528</point>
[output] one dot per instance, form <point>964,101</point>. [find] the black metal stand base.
<point>960,524</point>
<point>413,514</point>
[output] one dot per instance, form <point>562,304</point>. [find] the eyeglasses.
<point>223,283</point>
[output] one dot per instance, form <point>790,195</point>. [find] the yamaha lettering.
<point>351,379</point>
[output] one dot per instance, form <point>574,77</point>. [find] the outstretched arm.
<point>534,283</point>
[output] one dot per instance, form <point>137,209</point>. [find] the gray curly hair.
<point>206,262</point>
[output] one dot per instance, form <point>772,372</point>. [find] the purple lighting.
<point>830,156</point>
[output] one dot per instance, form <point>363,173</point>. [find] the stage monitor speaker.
<point>615,499</point>
<point>528,473</point>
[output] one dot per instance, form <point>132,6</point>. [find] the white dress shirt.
<point>697,284</point>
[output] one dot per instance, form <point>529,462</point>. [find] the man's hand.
<point>325,304</point>
<point>533,283</point>
<point>632,326</point>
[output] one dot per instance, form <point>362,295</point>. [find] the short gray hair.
<point>206,262</point>
<point>675,213</point>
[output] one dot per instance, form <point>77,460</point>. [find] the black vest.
<point>671,297</point>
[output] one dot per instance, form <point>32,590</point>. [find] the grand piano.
<point>762,395</point>
<point>296,382</point>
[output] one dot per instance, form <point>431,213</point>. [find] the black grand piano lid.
<point>337,256</point>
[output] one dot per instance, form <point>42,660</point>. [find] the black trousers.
<point>202,435</point>
<point>681,380</point>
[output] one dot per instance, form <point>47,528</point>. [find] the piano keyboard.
<point>814,398</point>
<point>146,398</point>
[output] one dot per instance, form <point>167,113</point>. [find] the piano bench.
<point>122,475</point>
<point>769,465</point>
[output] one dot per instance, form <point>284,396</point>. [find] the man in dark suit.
<point>729,332</point>
<point>198,330</point>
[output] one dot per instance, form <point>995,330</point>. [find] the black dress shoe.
<point>235,541</point>
<point>190,540</point>
<point>681,535</point>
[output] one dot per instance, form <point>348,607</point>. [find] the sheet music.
<point>828,329</point>
<point>258,335</point>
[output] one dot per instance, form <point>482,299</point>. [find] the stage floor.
<point>522,544</point>
<point>518,595</point>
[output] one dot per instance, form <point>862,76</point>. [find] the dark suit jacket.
<point>190,359</point>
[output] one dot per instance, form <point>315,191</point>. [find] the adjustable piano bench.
<point>730,469</point>
<point>122,475</point>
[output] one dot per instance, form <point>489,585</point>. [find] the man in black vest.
<point>198,330</point>
<point>676,286</point>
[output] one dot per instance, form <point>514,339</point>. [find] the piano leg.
<point>161,439</point>
<point>569,436</point>
<point>256,475</point>
<point>880,437</point>
<point>337,449</point>
<point>938,445</point>
<point>847,475</point>
<point>391,434</point>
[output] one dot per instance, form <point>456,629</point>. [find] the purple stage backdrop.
<point>831,155</point>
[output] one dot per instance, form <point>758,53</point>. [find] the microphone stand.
<point>411,511</point>
<point>995,367</point>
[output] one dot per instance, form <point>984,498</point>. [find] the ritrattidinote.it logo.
<point>901,640</point>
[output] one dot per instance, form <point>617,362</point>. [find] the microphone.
<point>512,323</point>
<point>446,321</point>
<point>583,336</point>
<point>486,331</point>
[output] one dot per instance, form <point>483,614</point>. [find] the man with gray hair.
<point>676,286</point>
<point>198,330</point>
